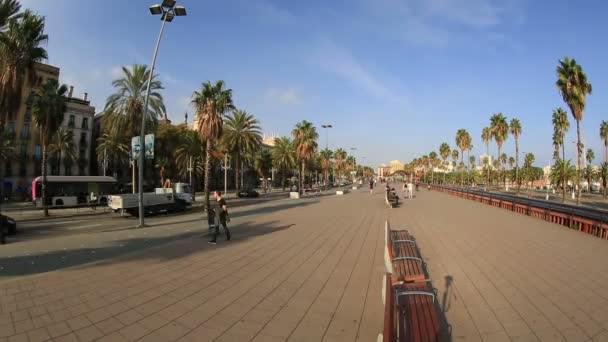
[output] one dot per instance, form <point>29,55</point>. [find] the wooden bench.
<point>410,313</point>
<point>391,198</point>
<point>401,256</point>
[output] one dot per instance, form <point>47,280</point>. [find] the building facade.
<point>25,165</point>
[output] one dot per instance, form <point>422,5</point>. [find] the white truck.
<point>166,200</point>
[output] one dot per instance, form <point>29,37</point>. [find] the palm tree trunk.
<point>238,170</point>
<point>517,164</point>
<point>580,161</point>
<point>605,161</point>
<point>563,171</point>
<point>499,168</point>
<point>192,187</point>
<point>461,173</point>
<point>46,208</point>
<point>283,178</point>
<point>207,171</point>
<point>302,176</point>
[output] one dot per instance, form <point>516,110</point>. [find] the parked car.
<point>248,193</point>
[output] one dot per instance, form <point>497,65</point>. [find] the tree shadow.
<point>131,249</point>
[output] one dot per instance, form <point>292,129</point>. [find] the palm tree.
<point>455,155</point>
<point>340,157</point>
<point>111,145</point>
<point>263,163</point>
<point>325,157</point>
<point>21,38</point>
<point>486,137</point>
<point>284,156</point>
<point>604,175</point>
<point>125,107</point>
<point>463,141</point>
<point>47,114</point>
<point>511,162</point>
<point>242,133</point>
<point>7,148</point>
<point>8,11</point>
<point>63,146</point>
<point>589,156</point>
<point>561,172</point>
<point>561,125</point>
<point>432,159</point>
<point>211,102</point>
<point>305,138</point>
<point>500,131</point>
<point>188,157</point>
<point>515,130</point>
<point>444,152</point>
<point>573,86</point>
<point>604,136</point>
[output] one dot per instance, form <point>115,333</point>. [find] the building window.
<point>85,123</point>
<point>83,140</point>
<point>25,131</point>
<point>37,152</point>
<point>72,122</point>
<point>22,169</point>
<point>23,151</point>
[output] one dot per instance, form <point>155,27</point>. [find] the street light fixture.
<point>168,11</point>
<point>326,126</point>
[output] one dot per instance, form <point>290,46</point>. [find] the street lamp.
<point>355,165</point>
<point>168,11</point>
<point>327,127</point>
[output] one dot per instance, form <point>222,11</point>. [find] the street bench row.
<point>411,312</point>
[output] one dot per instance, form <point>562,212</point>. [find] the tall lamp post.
<point>353,149</point>
<point>168,11</point>
<point>327,127</point>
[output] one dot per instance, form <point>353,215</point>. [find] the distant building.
<point>396,166</point>
<point>268,140</point>
<point>384,171</point>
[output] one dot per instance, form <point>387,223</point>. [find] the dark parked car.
<point>250,193</point>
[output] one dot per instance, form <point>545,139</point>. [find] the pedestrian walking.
<point>220,217</point>
<point>371,186</point>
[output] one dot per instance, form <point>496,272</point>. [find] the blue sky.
<point>394,77</point>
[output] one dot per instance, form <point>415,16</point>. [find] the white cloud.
<point>287,96</point>
<point>439,22</point>
<point>116,72</point>
<point>341,62</point>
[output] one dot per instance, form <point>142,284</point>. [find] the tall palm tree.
<point>112,146</point>
<point>515,130</point>
<point>463,140</point>
<point>444,152</point>
<point>589,156</point>
<point>326,156</point>
<point>47,114</point>
<point>211,102</point>
<point>604,136</point>
<point>500,131</point>
<point>188,157</point>
<point>20,49</point>
<point>62,145</point>
<point>242,133</point>
<point>511,162</point>
<point>284,156</point>
<point>432,159</point>
<point>486,137</point>
<point>340,157</point>
<point>125,107</point>
<point>9,9</point>
<point>305,138</point>
<point>573,86</point>
<point>561,125</point>
<point>263,164</point>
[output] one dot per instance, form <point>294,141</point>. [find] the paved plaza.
<point>307,270</point>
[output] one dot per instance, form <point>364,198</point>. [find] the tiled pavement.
<point>313,272</point>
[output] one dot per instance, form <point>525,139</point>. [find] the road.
<point>57,243</point>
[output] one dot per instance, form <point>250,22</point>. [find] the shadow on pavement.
<point>132,249</point>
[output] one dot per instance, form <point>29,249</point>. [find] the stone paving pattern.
<point>313,272</point>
